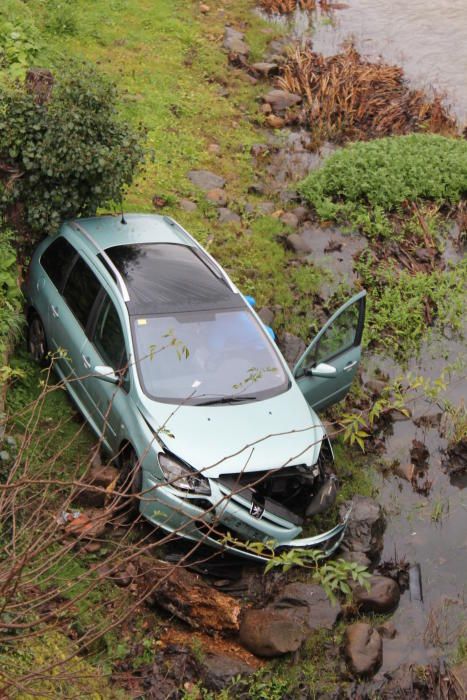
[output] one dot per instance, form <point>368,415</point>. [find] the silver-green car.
<point>178,376</point>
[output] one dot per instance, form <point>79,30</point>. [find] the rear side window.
<point>57,260</point>
<point>108,335</point>
<point>81,290</point>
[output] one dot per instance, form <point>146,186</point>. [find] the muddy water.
<point>428,38</point>
<point>431,529</point>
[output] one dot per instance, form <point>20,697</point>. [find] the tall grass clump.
<point>363,183</point>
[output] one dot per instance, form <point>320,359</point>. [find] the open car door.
<point>326,369</point>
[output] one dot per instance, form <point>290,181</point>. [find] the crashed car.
<point>175,372</point>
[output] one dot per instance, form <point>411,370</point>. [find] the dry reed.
<point>347,96</point>
<point>284,7</point>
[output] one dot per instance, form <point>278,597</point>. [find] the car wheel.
<point>36,340</point>
<point>131,478</point>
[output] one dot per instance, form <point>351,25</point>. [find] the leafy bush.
<point>18,47</point>
<point>10,295</point>
<point>364,182</point>
<point>68,155</point>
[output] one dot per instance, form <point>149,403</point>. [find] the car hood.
<point>232,438</point>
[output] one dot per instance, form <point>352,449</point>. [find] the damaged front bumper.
<point>228,522</point>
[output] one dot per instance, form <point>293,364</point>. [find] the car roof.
<point>157,265</point>
<point>109,231</point>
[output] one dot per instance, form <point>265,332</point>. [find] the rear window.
<point>81,290</point>
<point>57,260</point>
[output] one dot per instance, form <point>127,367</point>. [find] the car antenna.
<point>122,220</point>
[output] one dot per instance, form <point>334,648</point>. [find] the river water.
<point>428,38</point>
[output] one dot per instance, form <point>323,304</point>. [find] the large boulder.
<point>363,648</point>
<point>382,596</point>
<point>269,632</point>
<point>365,526</point>
<point>310,602</point>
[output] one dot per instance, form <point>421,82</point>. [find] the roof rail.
<point>118,277</point>
<point>215,264</point>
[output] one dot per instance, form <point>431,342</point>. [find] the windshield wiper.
<point>225,399</point>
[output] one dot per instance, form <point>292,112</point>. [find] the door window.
<point>57,260</point>
<point>81,290</point>
<point>338,337</point>
<point>108,335</point>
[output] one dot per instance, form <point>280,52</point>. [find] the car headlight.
<point>181,477</point>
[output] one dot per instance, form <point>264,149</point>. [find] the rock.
<point>289,219</point>
<point>298,243</point>
<point>226,216</point>
<point>363,648</point>
<point>292,347</point>
<point>4,456</point>
<point>219,669</point>
<point>204,8</point>
<point>234,42</point>
<point>387,630</point>
<point>256,188</point>
<point>265,108</point>
<point>268,632</point>
<point>265,69</point>
<point>214,148</point>
<point>205,180</point>
<point>96,486</point>
<point>187,205</point>
<point>266,207</point>
<point>301,213</point>
<point>404,471</point>
<point>365,526</point>
<point>274,121</point>
<point>266,315</point>
<point>87,524</point>
<point>281,100</point>
<point>311,602</point>
<point>355,558</point>
<point>383,596</point>
<point>217,196</point>
<point>376,386</point>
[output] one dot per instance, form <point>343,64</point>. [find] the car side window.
<point>81,290</point>
<point>108,335</point>
<point>340,335</point>
<point>57,260</point>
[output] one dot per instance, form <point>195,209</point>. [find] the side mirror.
<point>105,373</point>
<point>322,370</point>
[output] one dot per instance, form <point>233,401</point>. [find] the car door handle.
<point>54,311</point>
<point>86,361</point>
<point>348,367</point>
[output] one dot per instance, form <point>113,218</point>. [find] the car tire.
<point>131,477</point>
<point>36,340</point>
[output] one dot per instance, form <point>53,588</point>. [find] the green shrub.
<point>18,46</point>
<point>10,295</point>
<point>362,183</point>
<point>66,156</point>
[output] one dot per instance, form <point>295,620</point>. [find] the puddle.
<point>428,38</point>
<point>429,530</point>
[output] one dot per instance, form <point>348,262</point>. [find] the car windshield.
<point>201,357</point>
